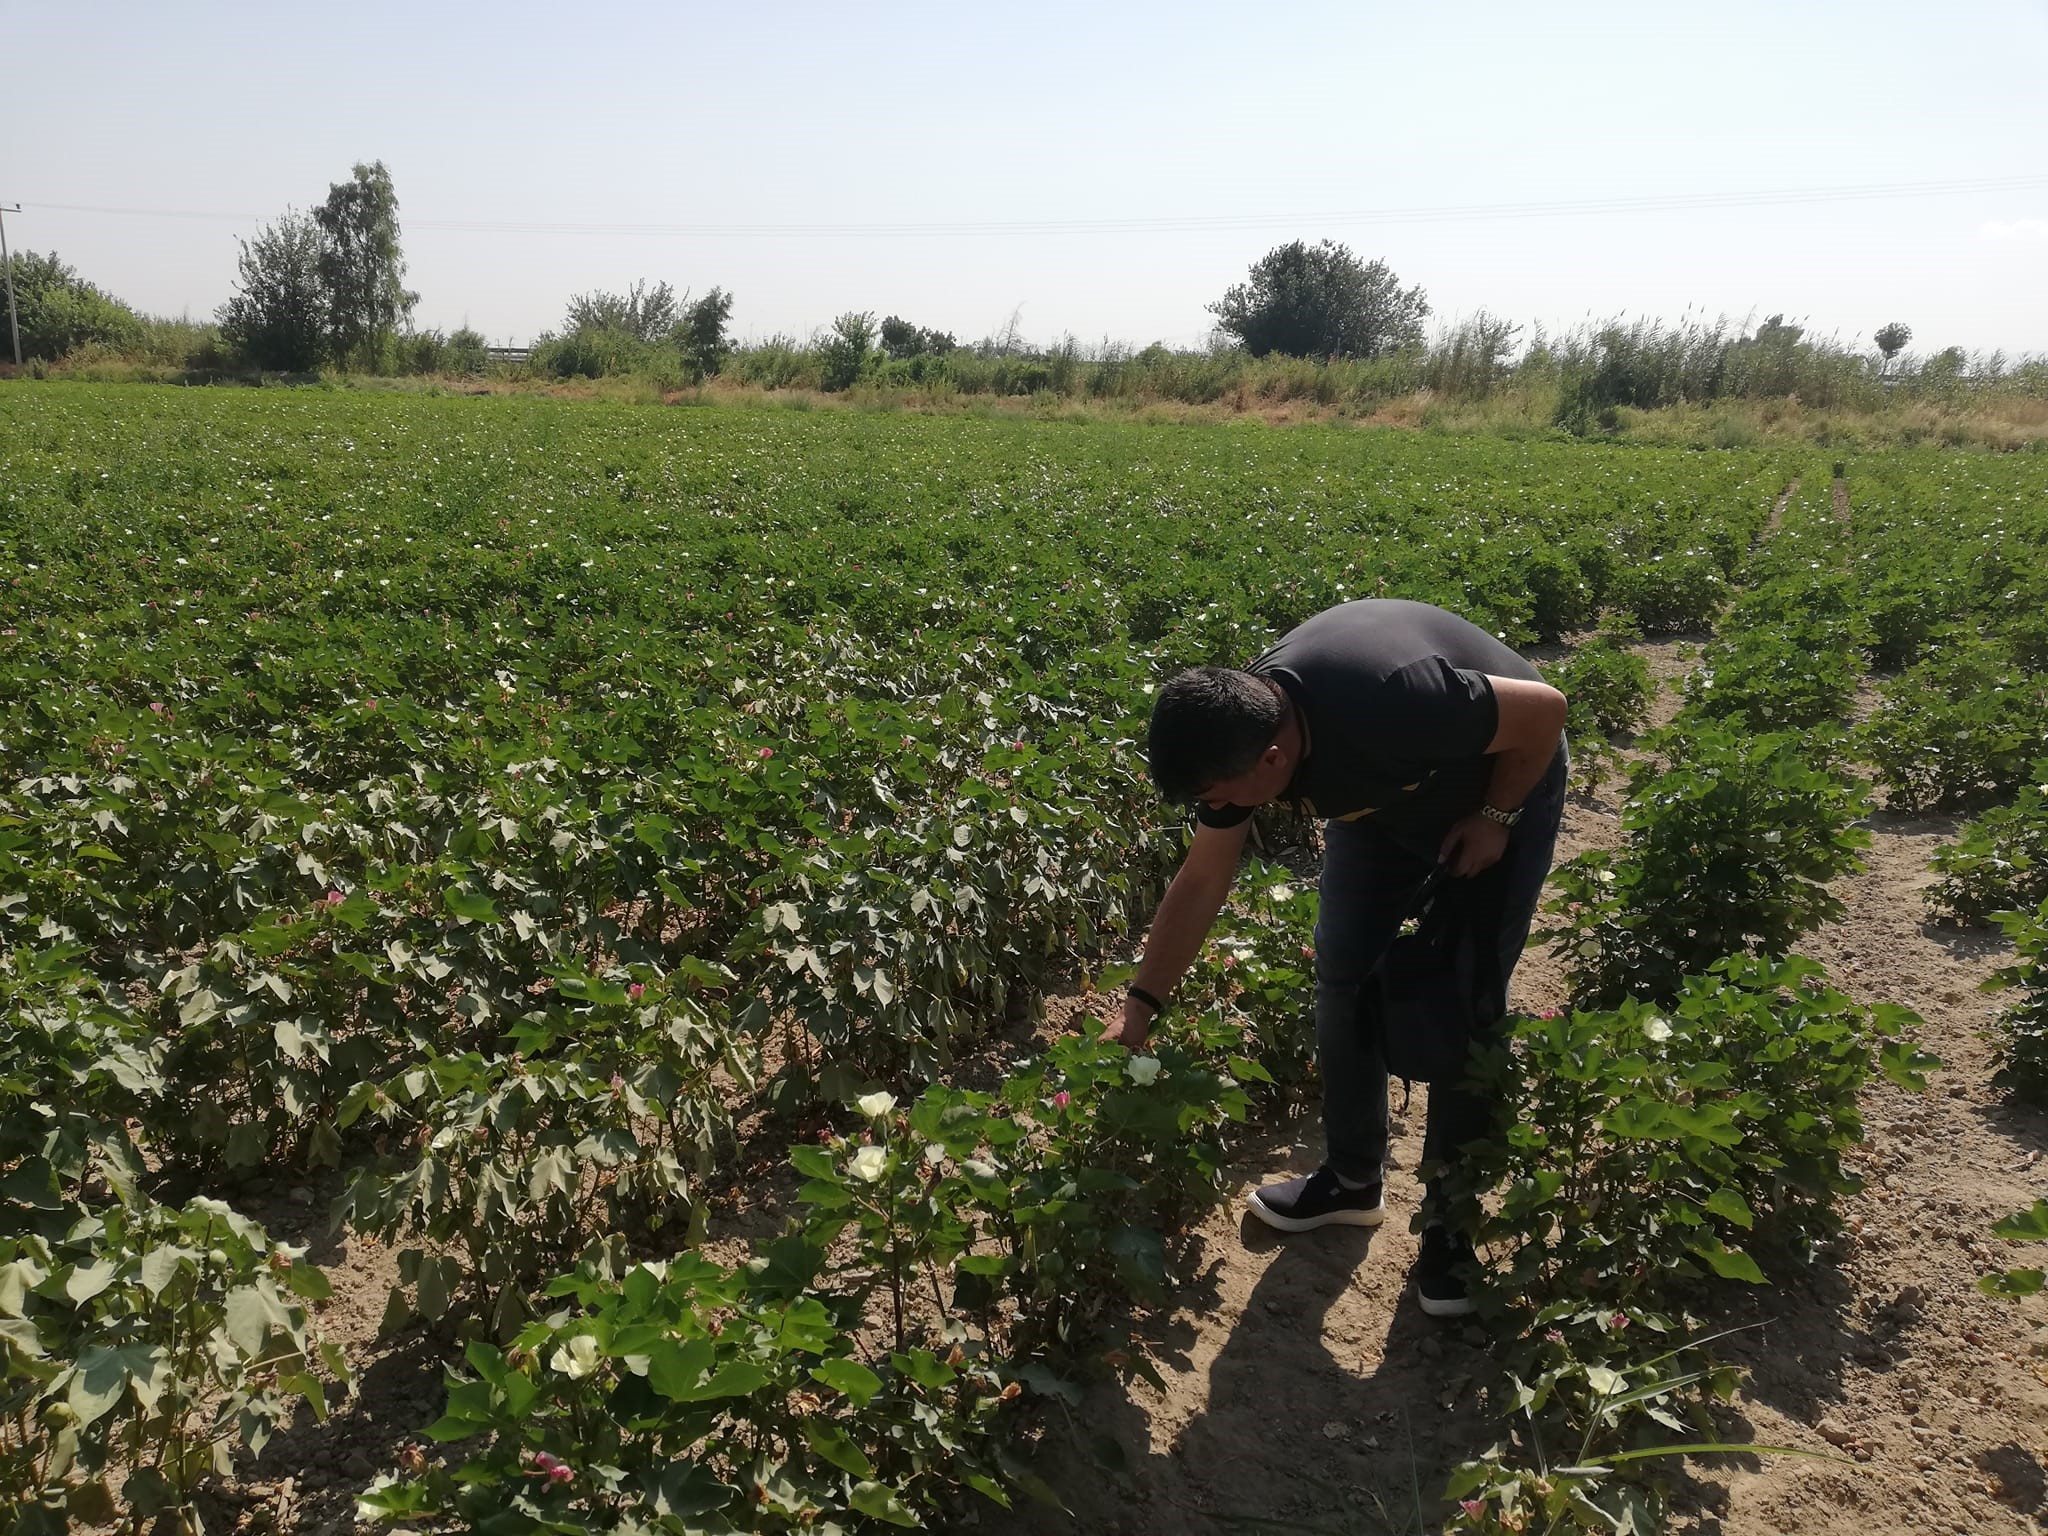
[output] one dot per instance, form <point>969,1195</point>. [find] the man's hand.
<point>1131,1029</point>
<point>1473,844</point>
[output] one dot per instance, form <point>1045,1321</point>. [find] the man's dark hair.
<point>1208,724</point>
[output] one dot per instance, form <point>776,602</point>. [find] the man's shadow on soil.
<point>1312,1424</point>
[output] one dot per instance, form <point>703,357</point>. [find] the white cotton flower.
<point>1656,1028</point>
<point>976,1168</point>
<point>934,1154</point>
<point>575,1359</point>
<point>868,1163</point>
<point>1143,1070</point>
<point>875,1105</point>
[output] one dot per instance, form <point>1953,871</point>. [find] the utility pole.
<point>7,266</point>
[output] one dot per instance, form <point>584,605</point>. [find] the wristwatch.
<point>1499,817</point>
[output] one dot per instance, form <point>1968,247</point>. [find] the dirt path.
<point>1305,1391</point>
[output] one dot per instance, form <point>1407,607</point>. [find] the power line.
<point>1674,202</point>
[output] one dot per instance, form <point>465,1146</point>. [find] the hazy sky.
<point>852,144</point>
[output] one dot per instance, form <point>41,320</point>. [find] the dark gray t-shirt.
<point>1398,710</point>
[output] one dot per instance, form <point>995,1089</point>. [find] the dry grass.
<point>1990,421</point>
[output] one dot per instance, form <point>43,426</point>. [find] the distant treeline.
<point>1311,325</point>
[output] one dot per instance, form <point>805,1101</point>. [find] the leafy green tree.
<point>643,313</point>
<point>361,265</point>
<point>701,333</point>
<point>900,339</point>
<point>845,352</point>
<point>61,312</point>
<point>279,313</point>
<point>1321,301</point>
<point>1891,341</point>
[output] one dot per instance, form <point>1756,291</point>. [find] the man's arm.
<point>1530,725</point>
<point>1186,913</point>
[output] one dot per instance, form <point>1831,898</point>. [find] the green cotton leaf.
<point>1730,1206</point>
<point>738,1378</point>
<point>880,1503</point>
<point>306,1280</point>
<point>99,851</point>
<point>2028,1226</point>
<point>832,1443</point>
<point>1729,1263</point>
<point>252,1314</point>
<point>471,906</point>
<point>675,1369</point>
<point>104,1372</point>
<point>88,1280</point>
<point>653,831</point>
<point>1906,1065</point>
<point>850,1377</point>
<point>160,1266</point>
<point>2013,1282</point>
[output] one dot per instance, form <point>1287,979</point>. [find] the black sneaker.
<point>1441,1273</point>
<point>1319,1200</point>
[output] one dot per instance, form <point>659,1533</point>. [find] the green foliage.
<point>1607,688</point>
<point>1999,860</point>
<point>466,352</point>
<point>1321,301</point>
<point>278,317</point>
<point>844,354</point>
<point>683,1396</point>
<point>645,314</point>
<point>1647,1148</point>
<point>59,312</point>
<point>1728,850</point>
<point>361,265</point>
<point>410,736</point>
<point>902,340</point>
<point>136,1339</point>
<point>1787,657</point>
<point>2022,1029</point>
<point>2030,1225</point>
<point>701,334</point>
<point>1960,730</point>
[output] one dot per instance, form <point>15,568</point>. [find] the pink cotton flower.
<point>553,1468</point>
<point>765,753</point>
<point>1062,1099</point>
<point>1473,1507</point>
<point>636,991</point>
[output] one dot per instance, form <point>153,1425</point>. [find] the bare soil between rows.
<point>1305,1391</point>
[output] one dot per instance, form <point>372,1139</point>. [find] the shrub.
<point>1960,730</point>
<point>466,353</point>
<point>2022,1029</point>
<point>1999,861</point>
<point>1728,850</point>
<point>843,355</point>
<point>1607,688</point>
<point>59,312</point>
<point>1671,593</point>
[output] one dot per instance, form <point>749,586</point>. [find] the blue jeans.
<point>1368,877</point>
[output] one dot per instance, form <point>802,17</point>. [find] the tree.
<point>643,313</point>
<point>61,312</point>
<point>1891,341</point>
<point>701,333</point>
<point>901,339</point>
<point>845,352</point>
<point>361,264</point>
<point>278,317</point>
<point>1321,301</point>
